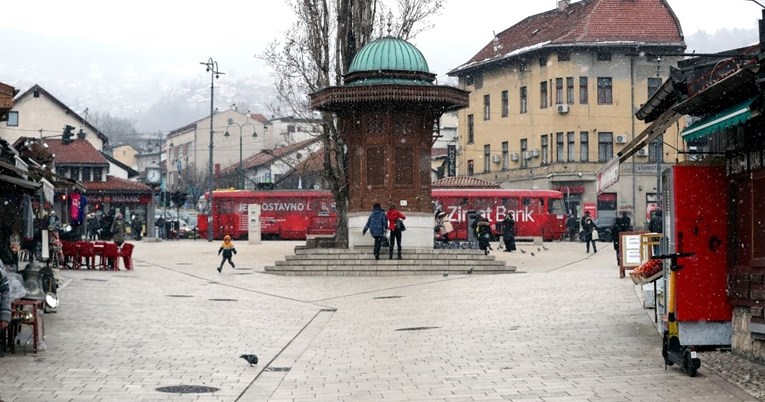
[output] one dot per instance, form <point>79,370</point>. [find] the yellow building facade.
<point>548,112</point>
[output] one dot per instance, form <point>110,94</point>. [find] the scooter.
<point>672,351</point>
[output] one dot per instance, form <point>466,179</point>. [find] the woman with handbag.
<point>396,226</point>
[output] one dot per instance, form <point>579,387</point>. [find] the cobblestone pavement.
<point>564,328</point>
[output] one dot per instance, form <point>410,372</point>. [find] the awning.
<point>729,117</point>
<point>23,183</point>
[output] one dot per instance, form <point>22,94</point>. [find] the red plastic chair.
<point>110,257</point>
<point>69,249</point>
<point>127,255</point>
<point>86,250</point>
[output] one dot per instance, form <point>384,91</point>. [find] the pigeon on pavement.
<point>522,251</point>
<point>252,359</point>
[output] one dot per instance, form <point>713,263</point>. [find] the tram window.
<point>526,202</point>
<point>464,201</point>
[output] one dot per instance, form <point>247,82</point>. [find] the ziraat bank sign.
<point>495,214</point>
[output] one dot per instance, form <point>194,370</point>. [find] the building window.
<point>486,107</point>
<point>487,158</point>
<point>583,90</point>
<point>375,160</point>
<point>545,149</point>
<point>61,171</point>
<point>570,90</point>
<point>98,174</point>
<point>13,119</point>
<point>470,129</point>
<point>558,91</point>
<point>584,146</point>
<point>542,61</point>
<point>559,157</point>
<point>291,128</point>
<point>505,155</point>
<point>605,91</point>
<point>86,174</point>
<point>564,56</point>
<point>524,100</point>
<point>471,167</point>
<point>604,56</point>
<point>523,67</point>
<point>469,80</point>
<point>505,104</point>
<point>524,153</point>
<point>653,85</point>
<point>404,157</point>
<point>543,95</point>
<point>605,146</point>
<point>570,137</point>
<point>656,152</point>
<point>74,173</point>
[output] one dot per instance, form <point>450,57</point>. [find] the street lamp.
<point>231,122</point>
<point>211,67</point>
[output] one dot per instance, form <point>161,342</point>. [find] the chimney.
<point>563,4</point>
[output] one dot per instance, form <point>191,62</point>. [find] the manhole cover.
<point>245,269</point>
<point>94,280</point>
<point>277,369</point>
<point>416,328</point>
<point>179,295</point>
<point>222,299</point>
<point>187,389</point>
<point>388,297</point>
<point>182,263</point>
<point>243,273</point>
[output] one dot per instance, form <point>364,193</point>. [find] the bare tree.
<point>118,129</point>
<point>318,50</point>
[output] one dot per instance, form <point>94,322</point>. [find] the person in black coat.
<point>588,225</point>
<point>508,232</point>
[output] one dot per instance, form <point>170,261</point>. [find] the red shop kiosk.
<point>695,221</point>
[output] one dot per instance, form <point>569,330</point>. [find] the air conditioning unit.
<point>621,139</point>
<point>642,152</point>
<point>514,156</point>
<point>535,153</point>
<point>526,154</point>
<point>562,108</point>
<point>495,158</point>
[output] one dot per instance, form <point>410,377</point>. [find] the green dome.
<point>389,53</point>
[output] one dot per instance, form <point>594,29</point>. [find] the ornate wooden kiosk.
<point>387,111</point>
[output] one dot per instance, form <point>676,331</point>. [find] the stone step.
<point>384,269</point>
<point>386,261</point>
<point>360,261</point>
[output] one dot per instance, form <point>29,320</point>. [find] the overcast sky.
<point>163,41</point>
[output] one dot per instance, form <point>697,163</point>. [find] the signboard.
<point>608,175</point>
<point>629,251</point>
<point>451,160</point>
<point>253,223</point>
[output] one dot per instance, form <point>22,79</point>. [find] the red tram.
<point>294,214</point>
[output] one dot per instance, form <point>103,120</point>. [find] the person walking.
<point>443,226</point>
<point>160,224</point>
<point>618,227</point>
<point>396,226</point>
<point>573,227</point>
<point>483,230</point>
<point>228,250</point>
<point>377,224</point>
<point>118,229</point>
<point>588,225</point>
<point>92,226</point>
<point>508,232</point>
<point>655,224</point>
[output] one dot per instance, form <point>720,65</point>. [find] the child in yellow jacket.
<point>228,249</point>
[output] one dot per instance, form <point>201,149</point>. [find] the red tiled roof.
<point>438,152</point>
<point>116,184</point>
<point>463,182</point>
<point>266,156</point>
<point>259,118</point>
<point>76,152</point>
<point>592,22</point>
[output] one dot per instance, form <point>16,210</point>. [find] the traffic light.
<point>66,137</point>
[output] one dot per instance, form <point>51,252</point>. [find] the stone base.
<point>418,233</point>
<point>744,341</point>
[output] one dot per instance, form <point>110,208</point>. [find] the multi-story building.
<point>554,97</point>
